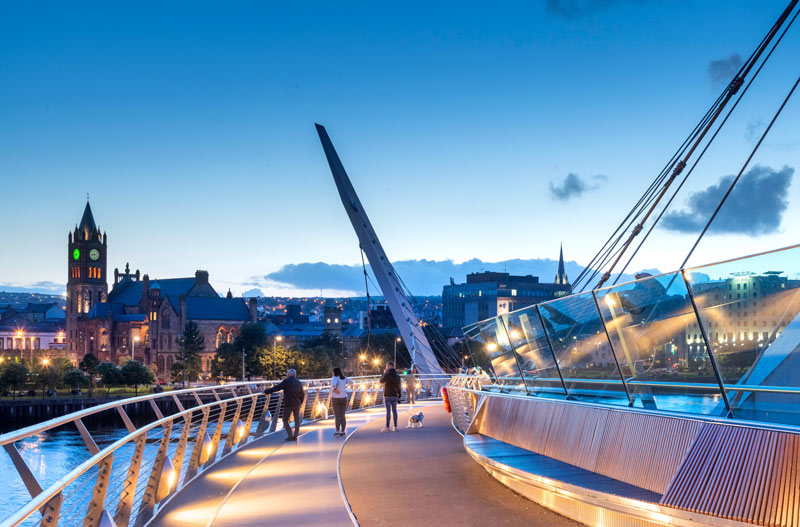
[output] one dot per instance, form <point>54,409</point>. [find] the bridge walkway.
<point>412,477</point>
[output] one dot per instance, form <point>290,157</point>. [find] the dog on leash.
<point>415,420</point>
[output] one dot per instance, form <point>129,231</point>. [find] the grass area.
<point>65,393</point>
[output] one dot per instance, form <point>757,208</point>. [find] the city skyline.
<point>495,144</point>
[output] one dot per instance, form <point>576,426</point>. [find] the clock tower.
<point>86,279</point>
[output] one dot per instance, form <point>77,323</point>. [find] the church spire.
<point>87,225</point>
<point>561,276</point>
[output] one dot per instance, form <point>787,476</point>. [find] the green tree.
<point>47,377</point>
<point>89,364</point>
<point>110,375</point>
<point>252,340</point>
<point>188,361</point>
<point>312,363</point>
<point>14,375</point>
<point>76,379</point>
<point>275,361</point>
<point>226,362</point>
<point>135,374</point>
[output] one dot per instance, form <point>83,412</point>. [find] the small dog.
<point>415,420</point>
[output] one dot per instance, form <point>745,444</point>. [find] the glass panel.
<point>581,349</point>
<point>539,372</point>
<point>496,344</point>
<point>659,347</point>
<point>477,351</point>
<point>749,308</point>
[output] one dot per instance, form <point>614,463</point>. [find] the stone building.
<point>141,317</point>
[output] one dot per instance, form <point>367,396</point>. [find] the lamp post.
<point>243,353</point>
<point>133,346</point>
<point>376,362</point>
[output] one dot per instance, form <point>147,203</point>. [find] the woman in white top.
<point>339,384</point>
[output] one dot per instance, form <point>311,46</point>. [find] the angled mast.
<point>416,342</point>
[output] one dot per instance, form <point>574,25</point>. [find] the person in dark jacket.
<point>392,387</point>
<point>293,396</point>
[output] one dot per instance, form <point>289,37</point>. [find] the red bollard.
<point>446,400</point>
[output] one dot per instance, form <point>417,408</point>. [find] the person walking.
<point>411,385</point>
<point>339,384</point>
<point>392,387</point>
<point>293,397</point>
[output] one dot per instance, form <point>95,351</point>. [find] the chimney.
<point>145,289</point>
<point>116,275</point>
<point>183,310</point>
<point>201,277</point>
<point>253,311</point>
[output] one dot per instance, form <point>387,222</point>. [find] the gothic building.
<point>140,317</point>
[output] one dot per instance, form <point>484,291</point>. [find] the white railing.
<point>125,483</point>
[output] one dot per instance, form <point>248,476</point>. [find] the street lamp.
<point>133,346</point>
<point>376,362</point>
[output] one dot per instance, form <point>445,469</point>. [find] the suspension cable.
<point>744,167</point>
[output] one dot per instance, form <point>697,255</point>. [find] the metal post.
<point>96,505</point>
<point>616,361</point>
<point>232,429</point>
<point>262,421</point>
<point>149,499</point>
<point>714,365</point>
<point>217,432</point>
<point>197,449</point>
<point>177,460</point>
<point>125,505</point>
<point>249,422</point>
<point>278,410</point>
<point>243,364</point>
<point>552,351</point>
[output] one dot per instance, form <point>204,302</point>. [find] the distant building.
<point>141,317</point>
<point>379,317</point>
<point>489,294</point>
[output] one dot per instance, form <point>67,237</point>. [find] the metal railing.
<point>126,482</point>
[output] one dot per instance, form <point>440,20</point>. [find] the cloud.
<point>755,206</point>
<point>43,287</point>
<point>753,130</point>
<point>722,71</point>
<point>423,277</point>
<point>574,186</point>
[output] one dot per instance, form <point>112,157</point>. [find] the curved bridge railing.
<point>123,482</point>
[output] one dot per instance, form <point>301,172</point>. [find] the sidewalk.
<point>424,477</point>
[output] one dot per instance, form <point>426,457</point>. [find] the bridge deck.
<point>412,477</point>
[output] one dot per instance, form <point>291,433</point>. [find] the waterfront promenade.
<point>411,477</point>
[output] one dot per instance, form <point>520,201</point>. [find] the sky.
<point>470,131</point>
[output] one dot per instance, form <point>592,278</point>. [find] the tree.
<point>89,364</point>
<point>14,375</point>
<point>252,340</point>
<point>134,373</point>
<point>188,362</point>
<point>47,377</point>
<point>275,361</point>
<point>312,363</point>
<point>76,379</point>
<point>110,375</point>
<point>123,360</point>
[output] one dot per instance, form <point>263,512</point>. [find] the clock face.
<point>76,254</point>
<point>94,254</point>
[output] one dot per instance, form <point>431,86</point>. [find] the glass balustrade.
<point>501,354</point>
<point>749,310</point>
<point>652,328</point>
<point>718,340</point>
<point>536,361</point>
<point>582,352</point>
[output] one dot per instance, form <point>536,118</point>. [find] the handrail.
<point>235,420</point>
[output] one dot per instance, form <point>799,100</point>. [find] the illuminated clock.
<point>94,254</point>
<point>76,254</point>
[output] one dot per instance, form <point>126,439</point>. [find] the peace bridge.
<point>603,407</point>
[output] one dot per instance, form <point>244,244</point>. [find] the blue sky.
<point>191,126</point>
